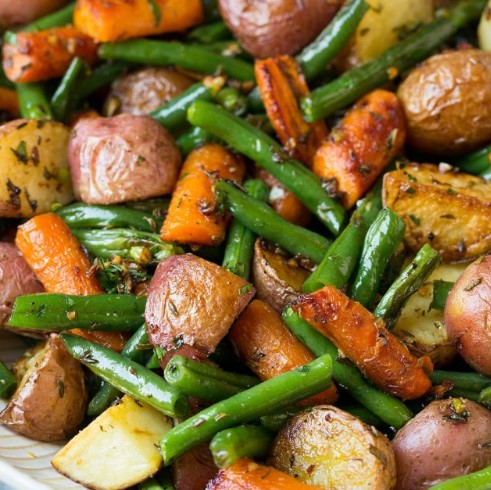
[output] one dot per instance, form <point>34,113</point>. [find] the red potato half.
<point>447,439</point>
<point>122,158</point>
<point>18,12</point>
<point>467,315</point>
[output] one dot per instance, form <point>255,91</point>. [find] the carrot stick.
<point>248,475</point>
<point>363,338</point>
<point>120,19</point>
<point>42,55</point>
<point>363,144</point>
<point>191,217</point>
<point>282,84</point>
<point>9,102</point>
<point>59,262</point>
<point>267,346</point>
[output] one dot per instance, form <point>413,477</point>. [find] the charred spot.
<point>33,204</point>
<point>14,194</point>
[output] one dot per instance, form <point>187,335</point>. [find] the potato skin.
<point>50,402</point>
<point>467,315</point>
<point>122,158</point>
<point>446,439</point>
<point>333,449</point>
<point>23,12</point>
<point>273,27</point>
<point>447,102</point>
<point>144,90</point>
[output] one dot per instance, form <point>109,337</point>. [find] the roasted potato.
<point>333,449</point>
<point>34,172</point>
<point>272,27</point>
<point>22,12</point>
<point>118,449</point>
<point>278,279</point>
<point>194,469</point>
<point>421,328</point>
<point>144,90</point>
<point>467,313</point>
<point>448,210</point>
<point>447,102</point>
<point>49,403</point>
<point>448,438</point>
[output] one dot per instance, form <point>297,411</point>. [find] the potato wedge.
<point>421,328</point>
<point>333,449</point>
<point>34,172</point>
<point>448,210</point>
<point>118,449</point>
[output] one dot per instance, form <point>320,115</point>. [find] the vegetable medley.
<point>246,242</point>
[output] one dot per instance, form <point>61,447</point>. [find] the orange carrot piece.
<point>245,474</point>
<point>364,339</point>
<point>267,346</point>
<point>282,84</point>
<point>191,217</point>
<point>42,55</point>
<point>116,20</point>
<point>284,202</point>
<point>9,102</point>
<point>359,149</point>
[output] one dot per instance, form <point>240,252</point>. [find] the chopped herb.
<point>414,219</point>
<point>61,387</point>
<point>245,289</point>
<point>157,13</point>
<point>451,192</point>
<point>21,152</point>
<point>473,284</point>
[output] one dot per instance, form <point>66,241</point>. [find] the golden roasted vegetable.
<point>49,403</point>
<point>448,210</point>
<point>118,449</point>
<point>333,449</point>
<point>34,170</point>
<point>484,30</point>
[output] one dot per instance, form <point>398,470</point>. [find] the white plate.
<point>26,464</point>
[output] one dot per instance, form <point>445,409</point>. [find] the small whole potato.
<point>273,27</point>
<point>19,12</point>
<point>447,102</point>
<point>448,438</point>
<point>467,312</point>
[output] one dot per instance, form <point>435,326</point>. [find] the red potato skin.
<point>432,448</point>
<point>122,158</point>
<point>14,13</point>
<point>191,305</point>
<point>272,27</point>
<point>194,469</point>
<point>467,313</point>
<point>16,279</point>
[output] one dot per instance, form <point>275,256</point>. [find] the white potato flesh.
<point>386,22</point>
<point>484,29</point>
<point>118,449</point>
<point>34,173</point>
<point>421,328</point>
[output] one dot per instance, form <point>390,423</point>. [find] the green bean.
<point>441,290</point>
<point>245,441</point>
<point>485,396</point>
<point>163,53</point>
<point>211,10</point>
<point>81,215</point>
<point>239,248</point>
<point>33,102</point>
<point>4,81</point>
<point>56,312</point>
<point>62,100</point>
<point>462,381</point>
<point>246,406</point>
<point>476,162</point>
<point>191,139</point>
<point>136,349</point>
<point>210,33</point>
<point>230,48</point>
<point>364,415</point>
<point>205,381</point>
<point>381,240</point>
<point>150,484</point>
<point>133,245</point>
<point>127,376</point>
<point>59,18</point>
<point>232,100</point>
<point>157,206</point>
<point>255,101</point>
<point>486,174</point>
<point>479,480</point>
<point>315,57</point>
<point>275,421</point>
<point>388,408</point>
<point>153,362</point>
<point>264,150</point>
<point>342,256</point>
<point>263,221</point>
<point>8,382</point>
<point>412,277</point>
<point>356,82</point>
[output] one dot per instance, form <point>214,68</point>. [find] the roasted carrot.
<point>248,475</point>
<point>59,262</point>
<point>9,102</point>
<point>363,338</point>
<point>116,20</point>
<point>192,217</point>
<point>361,146</point>
<point>282,84</point>
<point>284,202</point>
<point>267,346</point>
<point>42,55</point>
